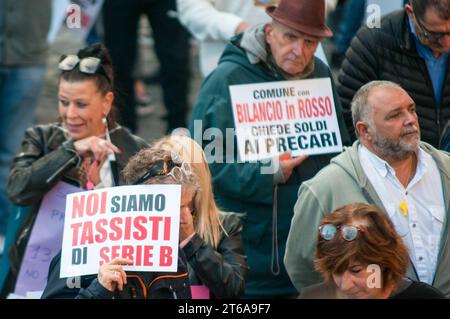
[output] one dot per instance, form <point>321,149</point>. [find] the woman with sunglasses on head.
<point>211,239</point>
<point>360,256</point>
<point>148,166</point>
<point>85,148</point>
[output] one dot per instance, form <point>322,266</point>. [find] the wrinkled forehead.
<point>284,29</point>
<point>387,98</point>
<point>435,20</point>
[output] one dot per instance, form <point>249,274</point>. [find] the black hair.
<point>104,78</point>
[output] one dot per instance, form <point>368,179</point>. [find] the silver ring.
<point>114,272</point>
<point>101,143</point>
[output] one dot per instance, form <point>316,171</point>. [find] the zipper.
<point>170,287</point>
<point>173,292</point>
<point>133,293</point>
<point>144,290</point>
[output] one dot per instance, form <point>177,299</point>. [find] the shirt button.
<point>420,258</point>
<point>414,225</point>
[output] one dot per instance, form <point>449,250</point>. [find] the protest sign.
<point>45,240</point>
<point>275,117</point>
<point>140,223</point>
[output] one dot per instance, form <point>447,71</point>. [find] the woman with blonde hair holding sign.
<point>149,166</point>
<point>212,239</point>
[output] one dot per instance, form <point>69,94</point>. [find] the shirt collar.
<point>423,50</point>
<point>423,158</point>
<point>379,164</point>
<point>383,167</point>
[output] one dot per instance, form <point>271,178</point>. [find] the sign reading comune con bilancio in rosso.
<point>140,223</point>
<point>275,117</point>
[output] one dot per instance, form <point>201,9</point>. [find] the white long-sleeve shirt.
<point>417,210</point>
<point>214,22</point>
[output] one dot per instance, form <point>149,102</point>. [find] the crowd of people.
<point>367,222</point>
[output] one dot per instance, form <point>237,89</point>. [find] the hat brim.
<point>324,32</point>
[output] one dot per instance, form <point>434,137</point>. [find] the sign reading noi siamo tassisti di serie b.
<point>140,223</point>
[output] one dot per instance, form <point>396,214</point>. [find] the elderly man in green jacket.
<point>278,51</point>
<point>390,168</point>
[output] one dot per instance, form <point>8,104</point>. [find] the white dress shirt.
<point>417,210</point>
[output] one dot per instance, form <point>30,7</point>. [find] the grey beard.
<point>393,150</point>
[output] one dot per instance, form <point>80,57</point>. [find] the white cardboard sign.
<point>140,223</point>
<point>274,117</point>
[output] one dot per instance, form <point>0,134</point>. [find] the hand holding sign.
<point>111,275</point>
<point>137,223</point>
<point>287,163</point>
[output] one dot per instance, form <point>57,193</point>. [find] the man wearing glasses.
<point>390,168</point>
<point>411,48</point>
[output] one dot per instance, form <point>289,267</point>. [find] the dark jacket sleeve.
<point>34,164</point>
<point>224,270</point>
<point>358,68</point>
<point>343,129</point>
<point>84,287</point>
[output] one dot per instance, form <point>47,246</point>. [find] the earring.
<point>105,121</point>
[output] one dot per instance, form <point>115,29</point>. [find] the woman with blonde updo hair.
<point>213,239</point>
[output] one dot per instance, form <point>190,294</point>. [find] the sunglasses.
<point>159,169</point>
<point>430,36</point>
<point>348,232</point>
<point>88,65</point>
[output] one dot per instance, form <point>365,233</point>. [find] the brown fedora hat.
<point>307,16</point>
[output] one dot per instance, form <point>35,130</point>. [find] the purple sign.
<point>45,240</point>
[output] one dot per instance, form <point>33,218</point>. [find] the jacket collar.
<point>403,31</point>
<point>119,137</point>
<point>349,162</point>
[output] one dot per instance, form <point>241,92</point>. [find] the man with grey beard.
<point>389,167</point>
